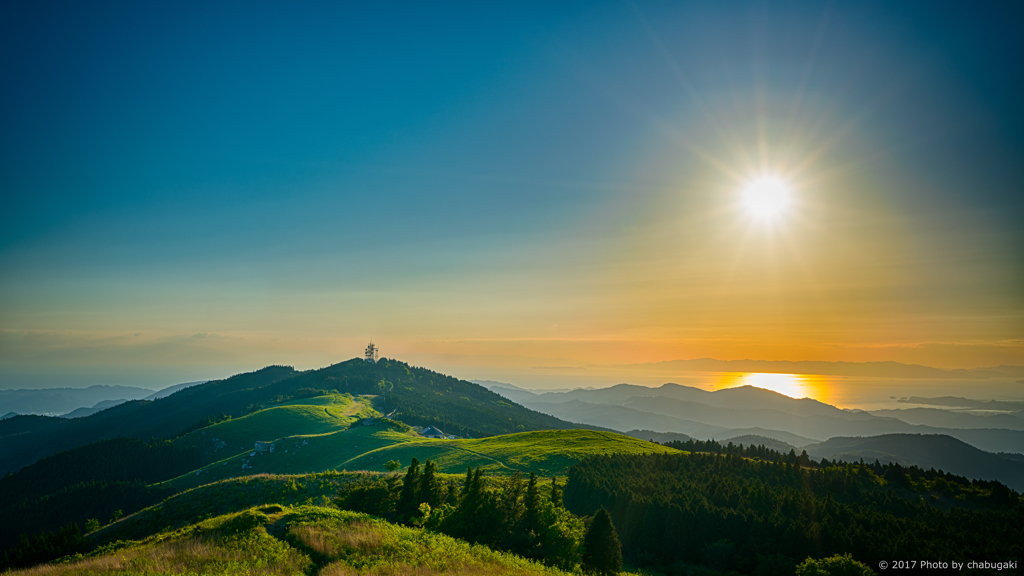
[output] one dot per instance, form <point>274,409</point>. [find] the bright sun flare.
<point>767,196</point>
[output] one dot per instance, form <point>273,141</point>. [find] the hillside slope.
<point>547,453</point>
<point>927,451</point>
<point>276,539</point>
<point>301,417</point>
<point>309,434</point>
<point>422,397</point>
<point>163,418</point>
<point>416,395</point>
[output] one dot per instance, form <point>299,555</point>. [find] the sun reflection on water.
<point>792,385</point>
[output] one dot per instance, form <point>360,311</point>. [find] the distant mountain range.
<point>732,412</point>
<point>742,415</point>
<point>77,402</point>
<point>927,451</point>
<point>961,442</point>
<point>623,418</point>
<point>83,412</point>
<point>56,401</point>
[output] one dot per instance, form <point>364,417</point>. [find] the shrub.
<point>838,565</point>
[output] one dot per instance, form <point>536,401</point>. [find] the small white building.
<point>371,353</point>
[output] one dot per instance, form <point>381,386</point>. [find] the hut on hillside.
<point>431,432</point>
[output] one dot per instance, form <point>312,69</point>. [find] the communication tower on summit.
<point>371,353</point>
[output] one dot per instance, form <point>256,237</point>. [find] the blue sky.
<point>489,183</point>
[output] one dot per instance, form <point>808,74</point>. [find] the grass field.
<point>314,435</point>
<point>548,453</point>
<point>306,416</point>
<point>298,455</point>
<point>201,529</point>
<point>306,539</point>
<point>223,497</point>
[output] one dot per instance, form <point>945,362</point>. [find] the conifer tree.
<point>602,552</point>
<point>469,499</point>
<point>511,499</point>
<point>556,493</point>
<point>531,516</point>
<point>430,489</point>
<point>466,482</point>
<point>408,504</point>
<point>452,494</point>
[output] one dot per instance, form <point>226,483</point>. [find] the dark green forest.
<point>89,482</point>
<point>731,512</point>
<point>721,508</point>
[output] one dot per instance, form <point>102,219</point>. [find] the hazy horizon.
<point>879,389</point>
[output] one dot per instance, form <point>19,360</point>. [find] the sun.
<point>767,197</point>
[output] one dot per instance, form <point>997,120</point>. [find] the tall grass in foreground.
<point>375,548</point>
<point>196,555</point>
<point>340,569</point>
<point>317,540</point>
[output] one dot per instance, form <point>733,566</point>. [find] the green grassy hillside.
<point>425,398</point>
<point>298,455</point>
<point>549,452</point>
<point>419,397</point>
<point>310,435</point>
<point>224,497</point>
<point>289,475</point>
<point>95,480</point>
<point>302,417</point>
<point>275,539</point>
